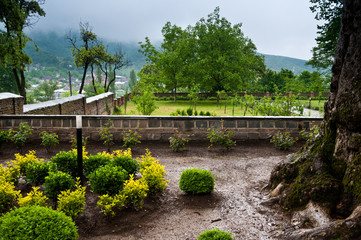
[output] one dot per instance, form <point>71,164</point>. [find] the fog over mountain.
<point>278,27</point>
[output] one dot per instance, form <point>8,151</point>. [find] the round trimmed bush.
<point>127,163</point>
<point>66,162</point>
<point>196,181</point>
<point>37,222</point>
<point>57,182</point>
<point>93,162</point>
<point>215,234</point>
<point>108,179</point>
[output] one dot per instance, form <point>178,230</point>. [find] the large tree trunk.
<point>328,169</point>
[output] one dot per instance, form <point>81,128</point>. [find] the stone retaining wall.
<point>11,103</point>
<point>161,127</point>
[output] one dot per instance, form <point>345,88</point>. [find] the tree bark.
<point>328,169</point>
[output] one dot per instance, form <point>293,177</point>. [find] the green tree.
<point>133,79</point>
<point>170,60</point>
<point>329,12</point>
<point>84,54</point>
<point>16,15</point>
<point>226,60</point>
<point>143,98</point>
<point>7,80</point>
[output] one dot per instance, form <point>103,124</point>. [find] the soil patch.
<point>235,205</point>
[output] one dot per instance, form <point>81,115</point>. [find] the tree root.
<point>349,228</point>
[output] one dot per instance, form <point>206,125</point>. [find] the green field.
<point>165,108</point>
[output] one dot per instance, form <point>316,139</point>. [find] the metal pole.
<point>79,141</point>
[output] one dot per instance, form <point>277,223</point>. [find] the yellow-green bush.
<point>146,159</point>
<point>10,174</point>
<point>109,203</point>
<point>8,196</point>
<point>135,191</point>
<point>34,198</point>
<point>21,162</point>
<point>72,202</point>
<point>153,175</point>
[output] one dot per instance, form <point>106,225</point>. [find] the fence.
<point>161,127</point>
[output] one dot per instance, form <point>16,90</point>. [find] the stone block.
<point>201,124</point>
<point>179,125</point>
<point>167,123</point>
<point>134,123</point>
<point>154,123</point>
<point>56,123</point>
<point>94,123</point>
<point>215,124</point>
<point>66,122</point>
<point>280,124</point>
<point>254,124</point>
<point>188,124</point>
<point>117,123</point>
<point>126,123</point>
<point>241,124</point>
<point>229,124</point>
<point>291,124</point>
<point>46,123</point>
<point>268,124</point>
<point>143,124</point>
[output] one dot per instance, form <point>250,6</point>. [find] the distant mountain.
<point>54,50</point>
<point>276,63</point>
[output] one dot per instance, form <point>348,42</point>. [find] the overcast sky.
<point>278,27</point>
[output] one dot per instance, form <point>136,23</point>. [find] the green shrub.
<point>72,202</point>
<point>57,182</point>
<point>177,141</point>
<point>221,137</point>
<point>8,196</point>
<point>189,111</point>
<point>74,143</point>
<point>93,162</point>
<point>183,113</point>
<point>66,162</point>
<point>108,179</point>
<point>37,171</point>
<point>19,137</point>
<point>4,137</point>
<point>196,181</point>
<point>283,141</point>
<point>208,113</point>
<point>49,140</point>
<point>127,163</point>
<point>34,198</point>
<point>215,234</point>
<point>131,139</point>
<point>201,113</point>
<point>106,136</point>
<point>153,175</point>
<point>35,222</point>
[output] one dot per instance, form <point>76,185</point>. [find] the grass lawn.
<point>165,108</point>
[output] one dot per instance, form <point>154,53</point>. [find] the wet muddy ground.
<point>235,206</point>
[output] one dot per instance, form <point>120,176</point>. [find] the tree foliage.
<point>15,15</point>
<point>330,13</point>
<point>213,53</point>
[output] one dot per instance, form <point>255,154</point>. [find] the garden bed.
<point>235,205</point>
